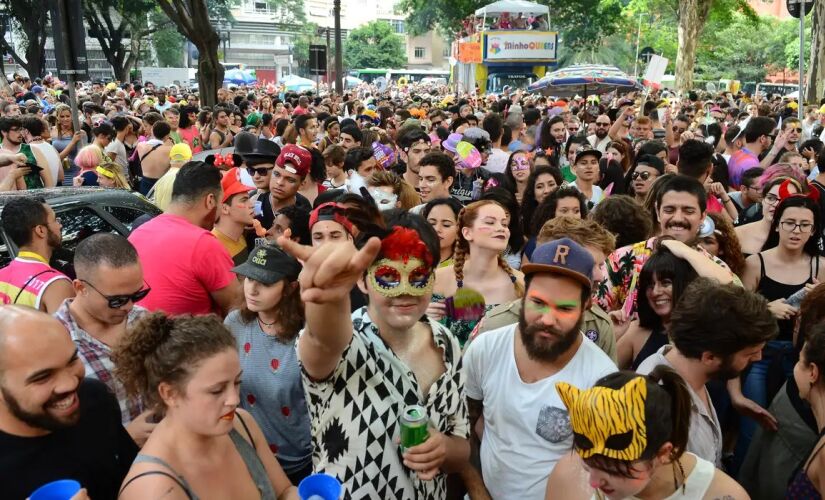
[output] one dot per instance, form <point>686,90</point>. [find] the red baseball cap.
<point>295,160</point>
<point>330,211</point>
<point>231,184</point>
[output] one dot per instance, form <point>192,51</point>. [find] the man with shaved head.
<point>109,282</point>
<point>54,424</point>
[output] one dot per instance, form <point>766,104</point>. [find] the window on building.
<point>261,7</point>
<point>419,52</point>
<point>447,52</point>
<point>397,25</point>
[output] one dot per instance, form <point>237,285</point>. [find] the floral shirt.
<point>619,288</point>
<point>354,414</point>
<point>97,359</point>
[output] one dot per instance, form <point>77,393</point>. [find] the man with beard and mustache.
<point>29,280</point>
<point>600,140</point>
<point>512,372</point>
<point>188,268</point>
<point>54,424</point>
<point>681,205</point>
<point>713,342</point>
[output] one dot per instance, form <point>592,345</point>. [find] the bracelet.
<point>726,201</point>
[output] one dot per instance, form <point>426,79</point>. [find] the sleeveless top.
<point>695,486</point>
<point>655,341</point>
<point>52,158</point>
<point>773,290</point>
<point>248,454</point>
<point>26,279</point>
<point>801,487</point>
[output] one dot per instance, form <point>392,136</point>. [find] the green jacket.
<point>597,325</point>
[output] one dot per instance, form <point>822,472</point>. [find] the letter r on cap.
<point>561,255</point>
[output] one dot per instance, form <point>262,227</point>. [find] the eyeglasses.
<point>798,130</point>
<point>118,301</point>
<point>602,124</point>
<point>790,226</point>
<point>436,124</point>
<point>679,129</point>
<point>261,171</point>
<point>771,199</point>
<point>644,175</point>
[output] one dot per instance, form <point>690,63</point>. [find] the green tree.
<point>374,45</point>
<point>113,21</point>
<point>584,24</point>
<point>28,20</point>
<point>169,48</point>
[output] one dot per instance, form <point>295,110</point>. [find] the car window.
<point>78,224</point>
<point>125,215</point>
<point>5,254</point>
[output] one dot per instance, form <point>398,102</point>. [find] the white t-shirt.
<point>596,197</point>
<point>119,150</point>
<point>526,426</point>
<point>497,161</point>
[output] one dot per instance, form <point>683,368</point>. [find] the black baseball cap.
<point>269,264</point>
<point>587,151</point>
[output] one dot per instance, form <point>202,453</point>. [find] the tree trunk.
<point>191,17</point>
<point>816,64</point>
<point>692,16</point>
<point>210,73</point>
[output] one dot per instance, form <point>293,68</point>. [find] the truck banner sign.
<point>521,46</point>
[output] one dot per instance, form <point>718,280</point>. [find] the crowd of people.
<point>611,297</point>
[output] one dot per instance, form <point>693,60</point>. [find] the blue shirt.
<point>272,391</point>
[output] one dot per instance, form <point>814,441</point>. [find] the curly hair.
<point>547,208</point>
<point>528,199</point>
<point>161,349</point>
<point>466,218</point>
<point>585,232</point>
<point>730,251</point>
<point>624,217</point>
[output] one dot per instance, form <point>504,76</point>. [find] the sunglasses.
<point>118,301</point>
<point>796,129</point>
<point>261,171</point>
<point>679,129</point>
<point>644,175</point>
<point>602,124</point>
<point>436,124</point>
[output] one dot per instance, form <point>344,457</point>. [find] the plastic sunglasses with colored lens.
<point>261,171</point>
<point>118,301</point>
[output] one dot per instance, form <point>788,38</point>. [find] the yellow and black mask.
<point>608,422</point>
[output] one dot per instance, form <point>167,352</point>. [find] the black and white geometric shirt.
<point>354,414</point>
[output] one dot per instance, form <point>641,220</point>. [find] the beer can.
<point>413,427</point>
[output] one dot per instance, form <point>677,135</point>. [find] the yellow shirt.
<point>236,249</point>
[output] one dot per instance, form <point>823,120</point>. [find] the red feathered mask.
<point>403,244</point>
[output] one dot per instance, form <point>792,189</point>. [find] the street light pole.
<point>339,66</point>
<point>638,40</point>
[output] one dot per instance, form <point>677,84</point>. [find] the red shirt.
<point>182,263</point>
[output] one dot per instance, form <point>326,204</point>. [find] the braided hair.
<point>466,218</point>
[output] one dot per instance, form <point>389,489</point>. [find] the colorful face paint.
<point>608,422</point>
<point>393,278</point>
<point>385,201</point>
<point>521,163</point>
<point>542,305</point>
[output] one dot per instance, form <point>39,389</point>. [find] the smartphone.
<point>35,168</point>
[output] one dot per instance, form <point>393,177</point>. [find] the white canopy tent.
<point>513,7</point>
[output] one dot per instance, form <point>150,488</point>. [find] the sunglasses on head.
<point>118,301</point>
<point>261,171</point>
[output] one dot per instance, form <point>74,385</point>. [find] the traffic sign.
<point>795,7</point>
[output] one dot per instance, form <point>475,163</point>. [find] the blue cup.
<point>63,489</point>
<point>319,485</point>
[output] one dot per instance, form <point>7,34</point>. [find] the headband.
<point>785,193</point>
<point>105,172</point>
<point>608,422</point>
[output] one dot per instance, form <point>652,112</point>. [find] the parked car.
<point>83,211</point>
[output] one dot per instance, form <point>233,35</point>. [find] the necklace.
<point>264,323</point>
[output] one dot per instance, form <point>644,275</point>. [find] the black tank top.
<point>654,342</point>
<point>774,290</point>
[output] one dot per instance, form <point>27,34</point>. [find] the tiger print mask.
<point>607,422</point>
